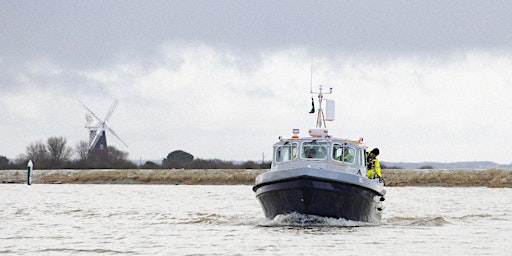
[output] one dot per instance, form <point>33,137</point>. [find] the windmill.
<point>97,127</point>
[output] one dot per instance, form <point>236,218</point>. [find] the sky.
<point>420,80</point>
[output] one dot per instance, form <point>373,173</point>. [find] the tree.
<point>4,162</point>
<point>108,157</point>
<point>150,165</point>
<point>266,165</point>
<point>250,165</point>
<point>58,150</point>
<point>177,159</point>
<point>20,162</point>
<point>53,154</point>
<point>82,150</point>
<point>38,153</point>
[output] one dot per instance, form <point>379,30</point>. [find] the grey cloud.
<point>92,35</point>
<point>96,32</point>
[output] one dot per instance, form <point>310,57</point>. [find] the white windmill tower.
<point>97,127</point>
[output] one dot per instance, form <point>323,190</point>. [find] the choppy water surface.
<point>227,220</point>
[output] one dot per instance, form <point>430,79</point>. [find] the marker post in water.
<point>29,172</point>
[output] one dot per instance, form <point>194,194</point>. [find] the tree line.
<point>56,154</point>
<point>181,159</point>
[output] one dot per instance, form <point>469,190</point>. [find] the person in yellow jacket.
<point>374,164</point>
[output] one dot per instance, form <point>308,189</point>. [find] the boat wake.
<point>417,221</point>
<point>297,219</point>
<point>203,218</point>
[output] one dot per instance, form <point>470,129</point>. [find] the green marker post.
<point>30,165</point>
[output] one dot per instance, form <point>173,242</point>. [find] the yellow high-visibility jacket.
<point>375,170</point>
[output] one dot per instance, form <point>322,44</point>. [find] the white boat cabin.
<point>320,152</point>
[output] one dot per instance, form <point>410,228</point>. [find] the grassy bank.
<point>487,178</point>
<point>449,178</point>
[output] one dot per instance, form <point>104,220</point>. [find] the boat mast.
<point>320,119</point>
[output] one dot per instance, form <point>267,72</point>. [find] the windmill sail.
<point>97,127</point>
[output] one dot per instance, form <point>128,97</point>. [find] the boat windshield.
<point>343,153</point>
<point>286,152</point>
<point>314,149</point>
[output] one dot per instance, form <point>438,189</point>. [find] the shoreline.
<point>494,178</point>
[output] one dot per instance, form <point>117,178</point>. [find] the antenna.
<point>311,73</point>
<point>320,120</point>
<point>311,53</point>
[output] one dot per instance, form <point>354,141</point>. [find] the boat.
<point>320,175</point>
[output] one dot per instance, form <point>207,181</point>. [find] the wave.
<point>217,219</point>
<point>292,220</point>
<point>435,221</point>
<point>97,250</point>
<point>301,220</point>
<point>418,221</point>
<point>202,218</point>
<point>474,216</point>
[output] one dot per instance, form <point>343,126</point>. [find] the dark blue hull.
<point>321,197</point>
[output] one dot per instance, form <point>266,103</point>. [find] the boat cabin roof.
<point>356,143</point>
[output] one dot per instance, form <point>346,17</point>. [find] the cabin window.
<point>364,157</point>
<point>286,152</point>
<point>343,153</point>
<point>314,149</point>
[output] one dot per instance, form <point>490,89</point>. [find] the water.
<point>227,220</point>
